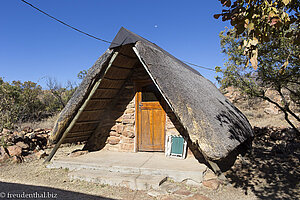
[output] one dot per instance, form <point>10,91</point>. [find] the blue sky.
<point>33,46</point>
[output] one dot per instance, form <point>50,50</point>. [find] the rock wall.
<point>25,145</point>
<point>117,123</point>
<point>122,134</point>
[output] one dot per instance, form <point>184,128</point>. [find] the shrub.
<point>24,102</point>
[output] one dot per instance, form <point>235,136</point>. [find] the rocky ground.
<point>24,145</point>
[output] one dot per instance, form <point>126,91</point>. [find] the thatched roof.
<point>208,117</point>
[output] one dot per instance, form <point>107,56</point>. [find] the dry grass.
<point>254,109</point>
<point>258,118</point>
<point>44,124</point>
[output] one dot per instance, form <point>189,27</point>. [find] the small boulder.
<point>169,187</point>
<point>30,135</point>
<point>15,132</point>
<point>29,157</point>
<point>45,135</point>
<point>119,128</point>
<point>212,183</point>
<point>16,159</point>
<point>19,135</point>
<point>6,131</point>
<point>271,111</point>
<point>77,153</point>
<point>114,133</point>
<point>22,145</point>
<point>27,129</point>
<point>14,150</point>
<point>3,154</point>
<point>40,154</point>
<point>38,130</point>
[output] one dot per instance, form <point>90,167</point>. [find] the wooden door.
<point>151,119</point>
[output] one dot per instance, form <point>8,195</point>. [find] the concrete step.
<point>177,175</point>
<point>133,181</point>
<point>128,169</point>
<point>73,165</point>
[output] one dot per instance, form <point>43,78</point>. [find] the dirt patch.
<point>30,177</point>
<point>33,176</point>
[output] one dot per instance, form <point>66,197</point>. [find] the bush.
<point>24,102</point>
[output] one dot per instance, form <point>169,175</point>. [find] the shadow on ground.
<point>271,170</point>
<point>15,191</point>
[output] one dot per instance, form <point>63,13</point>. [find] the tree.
<point>257,21</point>
<point>19,102</point>
<point>26,101</point>
<point>62,94</point>
<point>9,96</point>
<point>270,74</point>
<point>30,103</point>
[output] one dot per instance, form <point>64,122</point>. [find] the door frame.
<point>138,84</point>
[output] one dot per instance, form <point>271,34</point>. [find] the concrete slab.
<point>134,169</point>
<point>132,181</point>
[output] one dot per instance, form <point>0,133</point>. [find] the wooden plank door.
<point>151,119</point>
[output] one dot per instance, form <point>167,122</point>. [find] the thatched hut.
<point>136,93</point>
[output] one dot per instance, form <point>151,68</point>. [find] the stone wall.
<point>116,132</point>
<point>111,129</point>
<point>122,134</point>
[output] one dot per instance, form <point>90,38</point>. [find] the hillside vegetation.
<point>26,102</point>
<point>261,113</point>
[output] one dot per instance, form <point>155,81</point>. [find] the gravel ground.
<point>33,178</point>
